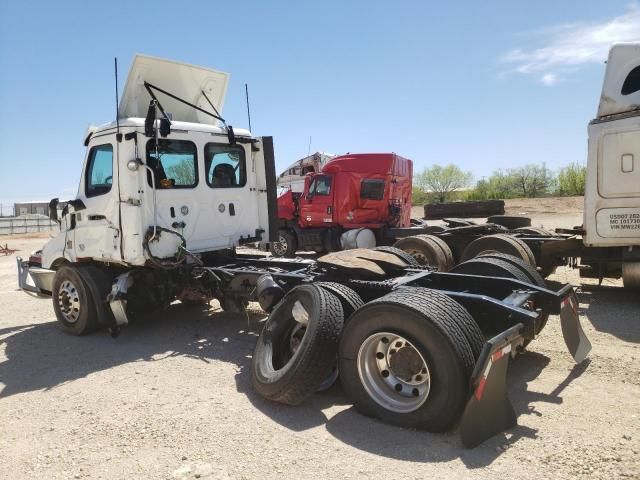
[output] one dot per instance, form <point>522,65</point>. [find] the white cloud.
<point>549,79</point>
<point>564,48</point>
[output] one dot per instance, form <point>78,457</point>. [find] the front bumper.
<point>34,279</point>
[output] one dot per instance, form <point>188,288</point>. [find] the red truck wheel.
<point>286,246</point>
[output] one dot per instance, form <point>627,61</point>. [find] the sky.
<point>485,85</point>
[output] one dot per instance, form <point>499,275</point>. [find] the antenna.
<point>118,135</point>
<point>246,95</point>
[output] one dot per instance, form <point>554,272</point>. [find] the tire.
<point>631,276</point>
<point>435,330</point>
<point>287,375</point>
<point>509,221</point>
<point>457,222</point>
<point>348,297</point>
<point>401,254</point>
<point>427,250</point>
<point>73,301</point>
<point>532,274</point>
<point>534,231</point>
<point>286,246</point>
<point>351,302</point>
<point>506,266</point>
<point>448,253</point>
<point>499,243</point>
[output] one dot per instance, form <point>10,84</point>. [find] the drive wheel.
<point>534,231</point>
<point>531,273</point>
<point>348,297</point>
<point>427,250</point>
<point>499,243</point>
<point>401,254</point>
<point>73,302</point>
<point>406,358</point>
<point>297,348</point>
<point>510,221</point>
<point>286,246</point>
<point>506,266</point>
<point>631,275</point>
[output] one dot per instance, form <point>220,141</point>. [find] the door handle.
<point>232,210</point>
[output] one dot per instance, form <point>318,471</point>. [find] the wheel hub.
<point>280,247</point>
<point>69,301</point>
<point>405,363</point>
<point>420,257</point>
<point>393,372</point>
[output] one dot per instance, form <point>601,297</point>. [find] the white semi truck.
<point>167,193</point>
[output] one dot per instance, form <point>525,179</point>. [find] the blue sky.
<point>485,85</point>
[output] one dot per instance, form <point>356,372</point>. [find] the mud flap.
<point>574,337</point>
<point>489,410</point>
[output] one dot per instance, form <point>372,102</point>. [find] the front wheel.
<point>286,246</point>
<point>73,302</point>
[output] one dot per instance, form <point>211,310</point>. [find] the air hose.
<point>164,263</point>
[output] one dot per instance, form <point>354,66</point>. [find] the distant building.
<point>34,208</point>
<point>31,208</point>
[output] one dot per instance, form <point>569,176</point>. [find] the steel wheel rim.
<point>280,247</point>
<point>420,257</point>
<point>69,301</point>
<point>393,372</point>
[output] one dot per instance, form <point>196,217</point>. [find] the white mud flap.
<point>574,337</point>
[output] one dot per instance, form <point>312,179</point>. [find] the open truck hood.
<point>623,71</point>
<point>180,79</point>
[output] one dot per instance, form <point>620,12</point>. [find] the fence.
<point>12,225</point>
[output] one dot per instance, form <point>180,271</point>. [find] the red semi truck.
<point>364,201</point>
<point>352,202</point>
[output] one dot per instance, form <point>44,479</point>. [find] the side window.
<point>175,165</point>
<point>225,165</point>
<point>321,185</point>
<point>632,82</point>
<point>99,174</point>
<point>372,189</point>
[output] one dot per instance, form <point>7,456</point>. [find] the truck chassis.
<point>394,384</point>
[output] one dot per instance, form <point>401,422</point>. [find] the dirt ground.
<point>172,398</point>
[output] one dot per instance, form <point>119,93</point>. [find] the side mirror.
<point>53,209</point>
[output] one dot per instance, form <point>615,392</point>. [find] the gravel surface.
<point>172,398</point>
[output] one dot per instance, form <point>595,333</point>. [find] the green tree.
<point>571,179</point>
<point>531,180</point>
<point>182,172</point>
<point>442,181</point>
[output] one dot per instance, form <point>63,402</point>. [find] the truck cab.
<point>158,182</point>
<point>353,196</point>
<point>612,192</point>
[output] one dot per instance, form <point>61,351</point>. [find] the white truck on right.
<point>611,238</point>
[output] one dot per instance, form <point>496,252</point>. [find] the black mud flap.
<point>489,410</point>
<point>574,337</point>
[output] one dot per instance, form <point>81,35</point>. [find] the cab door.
<point>95,220</point>
<point>210,201</point>
<point>316,208</point>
